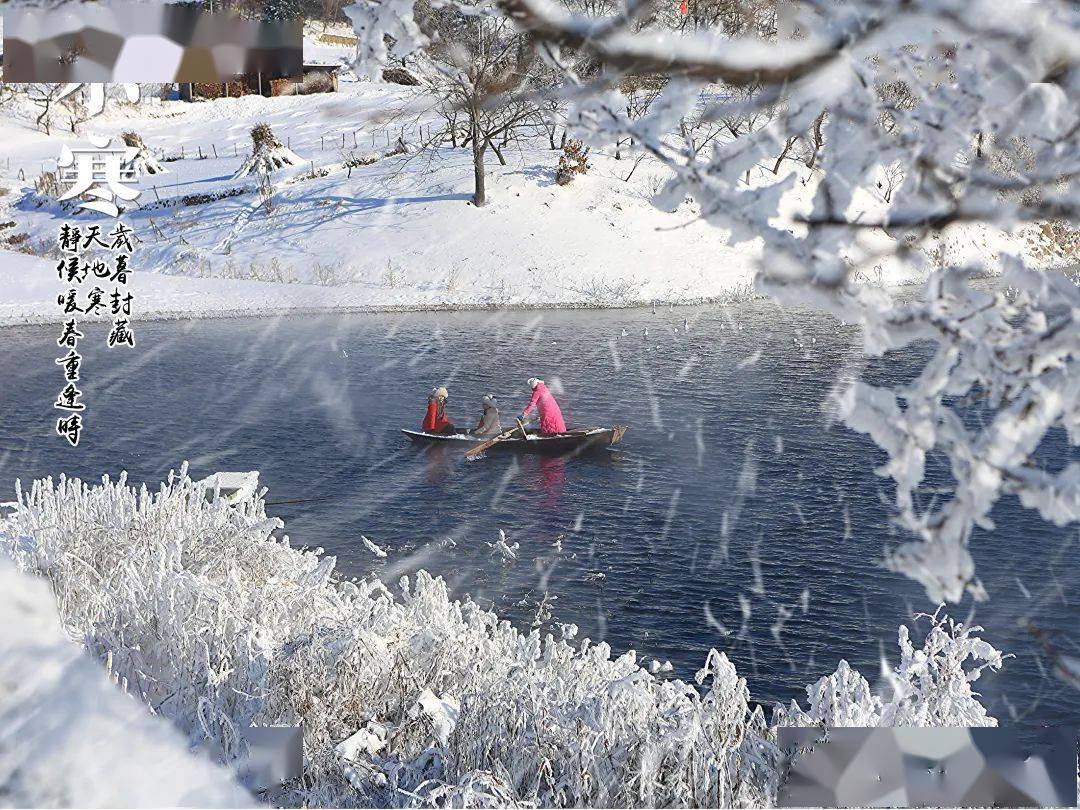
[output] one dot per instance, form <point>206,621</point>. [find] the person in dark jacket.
<point>489,424</point>
<point>435,420</point>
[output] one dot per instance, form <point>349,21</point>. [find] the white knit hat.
<point>441,392</point>
<point>534,381</point>
<point>490,401</point>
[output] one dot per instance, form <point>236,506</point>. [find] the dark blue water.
<point>736,515</point>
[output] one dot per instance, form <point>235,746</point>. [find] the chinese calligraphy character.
<point>69,238</point>
<point>71,362</point>
<point>94,301</point>
<point>121,237</point>
<point>99,172</point>
<point>120,306</point>
<point>121,334</point>
<point>93,237</point>
<point>69,399</point>
<point>120,276</point>
<point>68,302</point>
<point>71,334</point>
<point>74,268</point>
<point>70,428</point>
<point>71,271</point>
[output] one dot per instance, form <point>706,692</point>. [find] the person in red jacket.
<point>435,420</point>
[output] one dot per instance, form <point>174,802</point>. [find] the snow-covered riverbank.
<point>398,234</point>
<point>31,287</point>
<point>409,697</point>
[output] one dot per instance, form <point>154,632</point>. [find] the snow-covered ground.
<point>397,234</point>
<point>70,738</point>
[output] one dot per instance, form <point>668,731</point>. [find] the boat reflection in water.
<point>553,478</point>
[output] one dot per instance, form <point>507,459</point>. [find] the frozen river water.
<point>737,514</point>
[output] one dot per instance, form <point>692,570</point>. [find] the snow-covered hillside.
<point>398,233</point>
<point>393,231</point>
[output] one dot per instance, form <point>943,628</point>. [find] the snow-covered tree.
<point>480,68</point>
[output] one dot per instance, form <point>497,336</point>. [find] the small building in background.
<point>316,78</point>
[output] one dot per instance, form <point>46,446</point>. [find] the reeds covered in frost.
<point>408,698</point>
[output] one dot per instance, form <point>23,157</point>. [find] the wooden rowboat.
<point>573,442</point>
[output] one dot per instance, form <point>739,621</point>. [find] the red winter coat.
<point>435,420</point>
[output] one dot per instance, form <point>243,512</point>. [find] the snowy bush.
<point>930,687</point>
<point>331,274</point>
<point>145,162</point>
<point>47,187</point>
<point>573,161</point>
<point>405,699</point>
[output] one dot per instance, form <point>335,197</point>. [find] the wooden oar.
<point>480,448</point>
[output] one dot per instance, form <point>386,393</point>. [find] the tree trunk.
<point>43,119</point>
<point>479,193</point>
<point>498,154</point>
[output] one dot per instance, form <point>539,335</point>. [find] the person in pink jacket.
<point>551,418</point>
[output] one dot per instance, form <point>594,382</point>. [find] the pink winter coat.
<point>551,418</point>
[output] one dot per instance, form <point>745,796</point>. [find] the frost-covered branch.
<point>975,109</point>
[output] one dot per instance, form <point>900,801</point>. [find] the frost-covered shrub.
<point>407,698</point>
<point>47,186</point>
<point>930,687</point>
<point>145,162</point>
<point>218,624</point>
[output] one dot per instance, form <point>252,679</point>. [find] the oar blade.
<point>480,448</point>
